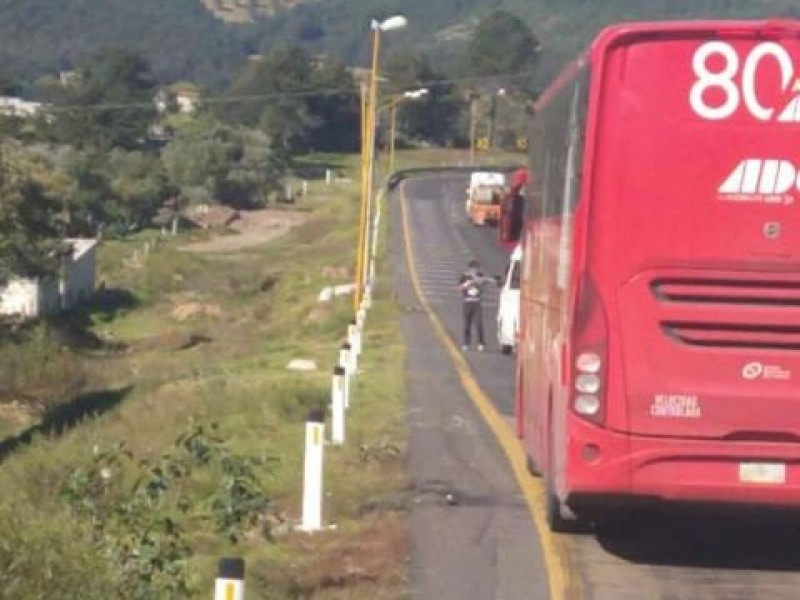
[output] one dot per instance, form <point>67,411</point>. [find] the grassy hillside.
<point>187,444</point>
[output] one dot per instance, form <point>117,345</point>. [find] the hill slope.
<point>179,37</point>
<point>442,27</point>
<point>184,40</point>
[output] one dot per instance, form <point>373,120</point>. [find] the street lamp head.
<point>395,22</point>
<point>416,93</point>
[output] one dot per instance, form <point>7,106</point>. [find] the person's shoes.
<point>480,347</point>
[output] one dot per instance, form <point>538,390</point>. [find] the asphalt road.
<point>472,531</point>
<point>474,536</point>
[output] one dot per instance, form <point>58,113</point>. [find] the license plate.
<point>774,473</point>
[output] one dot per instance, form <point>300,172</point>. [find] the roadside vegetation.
<point>170,433</point>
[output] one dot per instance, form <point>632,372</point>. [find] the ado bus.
<point>660,305</point>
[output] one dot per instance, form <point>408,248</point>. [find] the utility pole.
<point>473,123</point>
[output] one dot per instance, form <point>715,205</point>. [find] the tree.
<point>28,220</point>
<point>301,105</point>
<point>505,47</point>
<point>277,83</point>
<point>109,103</point>
<point>197,159</point>
<point>139,185</point>
<point>208,161</point>
<point>88,201</point>
<point>257,173</point>
<point>9,86</point>
<point>433,117</point>
<point>335,111</point>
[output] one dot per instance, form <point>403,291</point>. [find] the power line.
<point>241,99</point>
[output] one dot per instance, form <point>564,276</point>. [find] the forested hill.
<point>180,38</point>
<point>183,39</point>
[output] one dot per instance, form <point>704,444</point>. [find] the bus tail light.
<point>588,386</point>
<point>589,350</point>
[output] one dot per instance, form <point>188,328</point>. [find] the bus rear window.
<point>735,80</point>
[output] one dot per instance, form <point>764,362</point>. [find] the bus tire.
<point>560,518</point>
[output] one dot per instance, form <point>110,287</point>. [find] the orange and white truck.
<point>486,189</point>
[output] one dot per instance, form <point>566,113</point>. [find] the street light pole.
<point>362,222</point>
<point>493,116</point>
<point>393,135</point>
<point>368,156</point>
<point>409,95</point>
<point>472,125</point>
<point>364,233</point>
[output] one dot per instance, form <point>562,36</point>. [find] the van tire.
<point>507,349</point>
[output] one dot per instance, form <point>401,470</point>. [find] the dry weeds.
<point>369,563</point>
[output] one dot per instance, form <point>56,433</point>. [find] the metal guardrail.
<point>395,178</point>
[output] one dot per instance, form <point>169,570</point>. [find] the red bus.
<point>660,304</point>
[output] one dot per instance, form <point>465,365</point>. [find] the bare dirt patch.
<point>192,309</point>
<point>249,229</point>
<point>15,413</point>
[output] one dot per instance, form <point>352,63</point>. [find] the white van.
<point>508,304</point>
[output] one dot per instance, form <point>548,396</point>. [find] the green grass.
<point>82,492</point>
<point>443,157</point>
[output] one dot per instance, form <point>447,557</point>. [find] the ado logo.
<point>752,370</point>
<point>759,176</point>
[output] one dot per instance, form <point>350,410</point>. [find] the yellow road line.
<point>558,575</point>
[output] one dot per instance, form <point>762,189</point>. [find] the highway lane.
<point>473,538</point>
<point>673,555</point>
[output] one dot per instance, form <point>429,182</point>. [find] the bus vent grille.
<point>753,292</point>
<point>735,335</point>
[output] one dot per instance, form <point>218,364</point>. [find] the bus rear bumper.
<point>605,464</point>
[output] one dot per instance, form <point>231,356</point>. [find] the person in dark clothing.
<point>471,285</point>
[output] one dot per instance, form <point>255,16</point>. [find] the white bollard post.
<point>305,188</point>
<point>328,176</point>
<point>230,580</point>
<point>368,296</point>
<point>344,363</point>
<point>312,478</point>
<point>354,337</point>
<point>344,356</point>
<point>337,406</point>
<point>353,354</point>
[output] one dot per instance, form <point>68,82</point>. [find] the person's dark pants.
<point>473,315</point>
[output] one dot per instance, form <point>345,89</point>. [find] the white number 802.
<point>724,79</point>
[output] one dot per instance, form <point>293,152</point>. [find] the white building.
<point>188,101</point>
<point>11,106</point>
<point>78,273</point>
<point>31,298</point>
